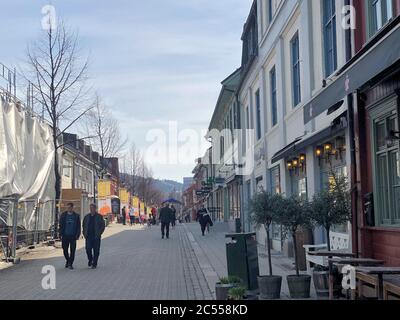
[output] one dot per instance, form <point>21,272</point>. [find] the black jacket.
<point>205,219</point>
<point>166,215</point>
<point>77,226</point>
<point>99,225</point>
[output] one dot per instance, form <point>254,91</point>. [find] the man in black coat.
<point>93,228</point>
<point>70,231</point>
<point>165,219</point>
<point>205,220</point>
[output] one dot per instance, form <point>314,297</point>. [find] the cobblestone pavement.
<point>212,252</point>
<point>134,264</point>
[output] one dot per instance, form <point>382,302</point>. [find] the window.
<point>275,180</point>
<point>270,12</point>
<point>274,111</point>
<point>222,146</point>
<point>380,12</point>
<point>259,183</point>
<point>66,168</point>
<point>295,55</point>
<point>387,171</point>
<point>329,30</point>
<point>258,114</point>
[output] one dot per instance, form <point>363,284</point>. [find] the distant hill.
<point>165,186</point>
<point>168,186</point>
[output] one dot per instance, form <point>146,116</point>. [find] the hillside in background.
<point>168,186</point>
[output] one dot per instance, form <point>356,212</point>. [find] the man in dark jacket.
<point>93,228</point>
<point>205,221</point>
<point>165,219</point>
<point>70,231</point>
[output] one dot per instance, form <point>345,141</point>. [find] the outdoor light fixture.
<point>302,158</point>
<point>319,151</point>
<point>328,148</point>
<point>295,162</point>
<point>289,165</point>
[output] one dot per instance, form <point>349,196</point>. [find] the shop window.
<point>386,170</point>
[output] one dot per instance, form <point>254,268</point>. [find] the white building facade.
<point>300,45</point>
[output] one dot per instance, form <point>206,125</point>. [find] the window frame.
<point>273,92</point>
<point>372,23</point>
<point>257,98</point>
<point>381,113</point>
<point>329,33</point>
<point>295,69</point>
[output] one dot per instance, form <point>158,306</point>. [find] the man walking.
<point>93,228</point>
<point>173,216</point>
<point>165,219</point>
<point>70,231</point>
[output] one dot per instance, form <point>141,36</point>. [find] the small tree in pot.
<point>263,211</point>
<point>330,207</point>
<point>295,214</point>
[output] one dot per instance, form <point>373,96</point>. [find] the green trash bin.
<point>242,258</point>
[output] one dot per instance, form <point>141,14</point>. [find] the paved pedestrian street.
<point>135,263</point>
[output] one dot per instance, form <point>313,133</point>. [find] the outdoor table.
<point>379,271</point>
<point>330,254</point>
<point>355,262</point>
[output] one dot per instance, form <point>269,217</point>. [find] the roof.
<point>229,86</point>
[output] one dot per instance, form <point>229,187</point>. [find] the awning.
<point>337,126</point>
<point>379,58</point>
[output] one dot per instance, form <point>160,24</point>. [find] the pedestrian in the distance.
<point>131,216</point>
<point>93,228</point>
<point>123,216</point>
<point>205,222</point>
<point>70,231</point>
<point>173,216</point>
<point>165,219</point>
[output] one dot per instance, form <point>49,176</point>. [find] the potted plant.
<point>237,293</point>
<point>224,285</point>
<point>263,212</point>
<point>330,207</point>
<point>294,214</point>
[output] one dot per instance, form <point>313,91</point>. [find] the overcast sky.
<point>153,61</point>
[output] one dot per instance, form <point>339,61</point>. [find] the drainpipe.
<point>353,165</point>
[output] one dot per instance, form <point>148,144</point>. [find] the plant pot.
<point>221,290</point>
<point>321,283</point>
<point>299,286</point>
<point>270,287</point>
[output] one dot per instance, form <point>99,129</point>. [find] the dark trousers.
<point>69,243</point>
<point>165,225</point>
<point>131,220</point>
<point>93,250</point>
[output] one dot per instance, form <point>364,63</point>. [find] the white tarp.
<point>26,166</point>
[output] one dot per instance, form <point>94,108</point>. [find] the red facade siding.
<point>376,242</point>
<point>360,34</point>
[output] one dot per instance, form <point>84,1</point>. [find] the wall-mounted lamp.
<point>302,158</point>
<point>289,165</point>
<point>295,162</point>
<point>328,148</point>
<point>319,151</point>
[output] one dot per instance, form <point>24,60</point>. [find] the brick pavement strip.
<point>135,263</point>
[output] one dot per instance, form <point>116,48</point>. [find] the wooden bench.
<point>368,280</point>
<point>391,287</point>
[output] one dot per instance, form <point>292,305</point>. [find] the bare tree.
<point>58,74</point>
<point>104,133</point>
<point>135,161</point>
